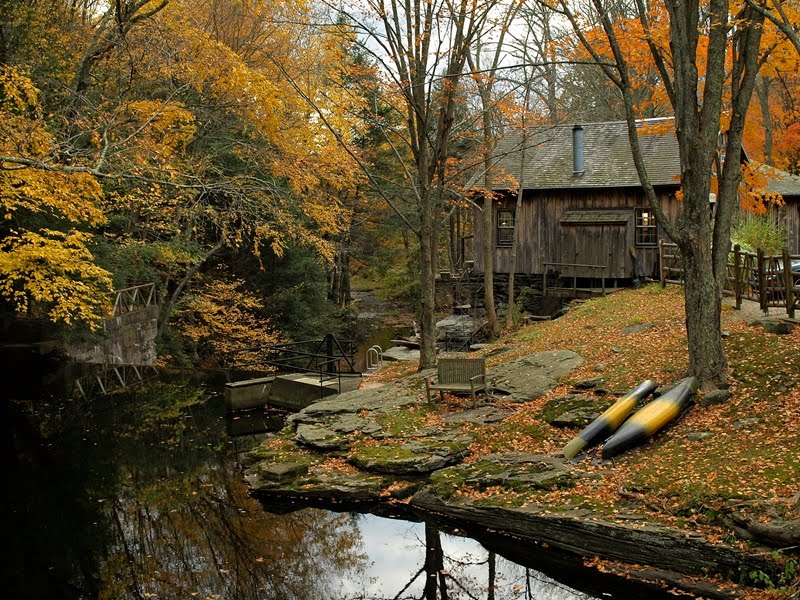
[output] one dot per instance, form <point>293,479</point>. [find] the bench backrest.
<point>460,370</point>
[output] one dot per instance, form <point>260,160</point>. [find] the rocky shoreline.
<point>379,449</point>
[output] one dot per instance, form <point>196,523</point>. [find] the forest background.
<point>252,157</point>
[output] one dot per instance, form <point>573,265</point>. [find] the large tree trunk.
<point>762,90</point>
<point>698,106</point>
<point>707,359</point>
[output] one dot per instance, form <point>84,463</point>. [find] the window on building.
<point>646,228</point>
<point>505,227</point>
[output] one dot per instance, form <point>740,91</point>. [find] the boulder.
<point>636,328</point>
<point>485,415</point>
<point>715,397</point>
<point>321,437</point>
<point>573,410</point>
<point>770,325</point>
<point>400,353</point>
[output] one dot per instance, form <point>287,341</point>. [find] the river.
<point>139,494</point>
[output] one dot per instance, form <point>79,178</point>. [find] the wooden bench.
<point>458,375</point>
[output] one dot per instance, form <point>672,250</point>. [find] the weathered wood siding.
<point>543,238</point>
<point>792,209</point>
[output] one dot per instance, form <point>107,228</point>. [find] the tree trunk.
<point>512,264</point>
<point>488,264</point>
<point>434,563</point>
<point>492,575</point>
<point>166,311</point>
<point>707,359</point>
<point>512,261</point>
<point>762,89</point>
<point>427,341</point>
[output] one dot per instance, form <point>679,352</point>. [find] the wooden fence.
<point>763,278</point>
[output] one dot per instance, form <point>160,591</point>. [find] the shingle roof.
<point>608,161</point>
<point>783,183</point>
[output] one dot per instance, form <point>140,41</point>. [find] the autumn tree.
<point>484,62</point>
<point>46,267</point>
<point>422,48</point>
<point>172,122</point>
<point>707,56</point>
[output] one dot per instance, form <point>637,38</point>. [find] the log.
<point>657,546</point>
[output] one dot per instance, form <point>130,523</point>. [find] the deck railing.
<point>574,267</point>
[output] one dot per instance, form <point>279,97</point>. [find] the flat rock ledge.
<point>634,543</point>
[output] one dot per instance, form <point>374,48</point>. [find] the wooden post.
<point>762,281</point>
<point>738,284</point>
<point>788,282</point>
<point>544,280</point>
<point>661,263</point>
<point>329,353</point>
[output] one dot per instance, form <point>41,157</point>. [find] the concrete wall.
<point>129,339</point>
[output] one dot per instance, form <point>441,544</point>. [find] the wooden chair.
<point>458,375</point>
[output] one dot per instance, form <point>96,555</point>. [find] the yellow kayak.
<point>607,423</point>
<point>651,418</point>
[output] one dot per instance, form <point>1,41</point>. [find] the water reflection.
<point>140,494</point>
<point>415,560</point>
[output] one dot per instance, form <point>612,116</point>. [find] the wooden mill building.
<point>788,186</point>
<point>583,211</point>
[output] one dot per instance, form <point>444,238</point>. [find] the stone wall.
<point>129,339</point>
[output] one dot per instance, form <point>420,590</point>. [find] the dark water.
<point>139,494</point>
<point>374,333</point>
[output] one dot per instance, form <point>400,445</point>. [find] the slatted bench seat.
<point>457,375</point>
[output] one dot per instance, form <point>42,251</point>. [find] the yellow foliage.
<point>71,196</point>
<point>18,95</point>
<point>55,270</point>
<point>160,128</point>
<point>223,317</point>
<point>45,270</point>
<point>210,65</point>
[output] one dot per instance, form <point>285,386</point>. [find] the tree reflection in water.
<point>415,561</point>
<point>140,495</point>
<point>180,541</point>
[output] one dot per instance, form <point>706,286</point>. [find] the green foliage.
<point>753,231</point>
<point>294,291</point>
<point>787,580</point>
<point>399,283</point>
<point>137,262</point>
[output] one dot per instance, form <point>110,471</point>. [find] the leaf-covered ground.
<point>741,457</point>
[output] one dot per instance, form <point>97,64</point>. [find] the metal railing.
<point>574,267</point>
<point>109,378</point>
<point>374,358</point>
<point>329,358</point>
<point>133,298</point>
